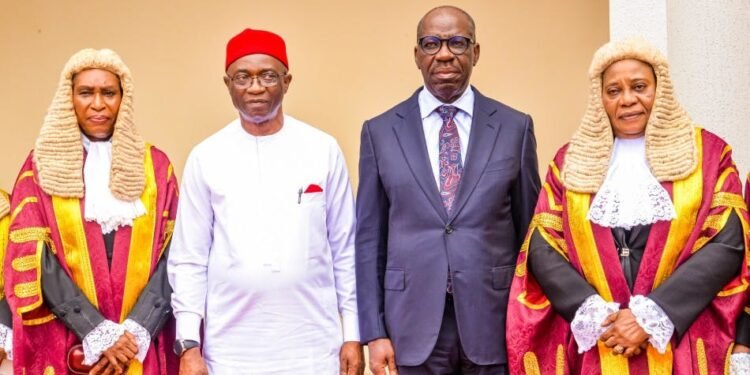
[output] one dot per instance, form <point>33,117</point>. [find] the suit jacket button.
<point>77,310</point>
<point>448,229</point>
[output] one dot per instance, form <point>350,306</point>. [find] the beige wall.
<point>351,60</point>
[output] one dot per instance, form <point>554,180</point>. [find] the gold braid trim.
<point>728,200</point>
<point>534,306</point>
<point>723,178</point>
<point>730,292</point>
<point>26,290</point>
<point>49,370</point>
<point>23,175</point>
<point>25,263</point>
<point>548,220</point>
<point>35,288</point>
<point>530,364</point>
<point>38,321</point>
<point>168,231</point>
<point>727,149</point>
<point>715,222</point>
<point>563,246</point>
<point>541,222</point>
<point>701,356</point>
<point>700,242</point>
<point>169,228</point>
<point>29,234</point>
<point>727,358</point>
<point>560,361</point>
<point>551,198</point>
<point>521,270</point>
<point>21,205</point>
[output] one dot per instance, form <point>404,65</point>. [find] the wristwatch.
<point>180,346</point>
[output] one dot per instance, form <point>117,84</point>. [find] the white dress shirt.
<point>269,267</point>
<point>432,122</point>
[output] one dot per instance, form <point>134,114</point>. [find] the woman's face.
<point>628,90</point>
<point>96,100</point>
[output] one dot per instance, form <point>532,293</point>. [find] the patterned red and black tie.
<point>451,166</point>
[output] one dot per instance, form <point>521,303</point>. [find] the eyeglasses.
<point>431,44</point>
<point>243,80</point>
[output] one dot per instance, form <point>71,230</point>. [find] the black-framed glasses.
<point>457,44</point>
<point>243,80</point>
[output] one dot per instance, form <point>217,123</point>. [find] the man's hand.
<point>382,356</point>
<point>738,348</point>
<point>625,336</point>
<point>115,359</point>
<point>352,359</point>
<point>191,363</point>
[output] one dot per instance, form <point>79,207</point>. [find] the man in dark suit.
<point>437,237</point>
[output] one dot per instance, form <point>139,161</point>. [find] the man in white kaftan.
<point>263,250</point>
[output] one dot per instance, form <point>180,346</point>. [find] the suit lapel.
<point>482,140</point>
<point>410,136</point>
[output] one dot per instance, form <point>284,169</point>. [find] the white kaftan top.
<point>263,251</point>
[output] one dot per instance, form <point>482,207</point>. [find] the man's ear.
<point>287,81</point>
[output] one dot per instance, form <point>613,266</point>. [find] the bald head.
<point>448,58</point>
<point>447,9</point>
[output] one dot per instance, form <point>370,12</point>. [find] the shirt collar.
<point>87,142</point>
<point>428,102</point>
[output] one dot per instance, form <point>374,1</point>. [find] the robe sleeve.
<point>716,264</point>
<point>67,302</point>
<point>6,318</point>
<point>695,283</point>
<point>743,329</point>
<point>563,285</point>
<point>29,233</point>
<point>65,298</point>
<point>537,335</point>
<point>153,308</point>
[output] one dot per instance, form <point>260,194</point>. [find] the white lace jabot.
<point>630,194</point>
<point>100,205</point>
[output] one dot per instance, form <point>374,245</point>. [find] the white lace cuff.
<point>653,320</point>
<point>587,323</point>
<point>100,339</point>
<point>141,336</point>
<point>6,340</point>
<point>739,364</point>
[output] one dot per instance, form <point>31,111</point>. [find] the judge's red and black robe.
<point>63,277</point>
<point>710,228</point>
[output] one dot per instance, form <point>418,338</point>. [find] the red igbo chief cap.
<point>251,41</point>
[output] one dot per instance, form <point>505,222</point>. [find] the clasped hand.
<point>624,335</point>
<point>115,359</point>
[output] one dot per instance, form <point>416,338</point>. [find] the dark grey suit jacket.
<point>405,239</point>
